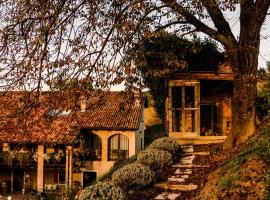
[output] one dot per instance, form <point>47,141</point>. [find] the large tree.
<point>96,40</point>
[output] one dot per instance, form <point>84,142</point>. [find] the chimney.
<point>137,97</point>
<point>83,104</point>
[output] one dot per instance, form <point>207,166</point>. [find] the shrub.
<point>156,159</point>
<point>102,191</point>
<point>117,165</point>
<point>73,192</point>
<point>133,176</point>
<point>153,132</point>
<point>166,144</point>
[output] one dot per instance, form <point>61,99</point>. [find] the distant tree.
<point>262,73</point>
<point>169,52</point>
<point>263,97</point>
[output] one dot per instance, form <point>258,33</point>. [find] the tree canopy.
<point>173,53</point>
<point>96,40</point>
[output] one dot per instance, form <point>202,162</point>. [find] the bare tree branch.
<point>198,24</point>
<point>217,17</point>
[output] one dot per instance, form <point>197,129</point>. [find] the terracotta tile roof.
<point>112,110</point>
<point>32,126</point>
<point>107,110</point>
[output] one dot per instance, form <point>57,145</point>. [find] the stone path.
<point>183,170</point>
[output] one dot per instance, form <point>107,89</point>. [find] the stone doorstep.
<point>190,166</point>
<point>186,171</point>
<point>176,187</point>
<point>169,196</point>
<point>197,154</point>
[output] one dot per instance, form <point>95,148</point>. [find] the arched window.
<point>94,145</point>
<point>118,147</point>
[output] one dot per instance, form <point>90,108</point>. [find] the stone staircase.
<point>177,183</point>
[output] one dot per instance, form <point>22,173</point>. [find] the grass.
<point>258,146</point>
<point>230,181</point>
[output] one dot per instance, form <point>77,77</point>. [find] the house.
<point>199,104</point>
<point>53,144</point>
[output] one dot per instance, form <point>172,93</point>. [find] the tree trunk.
<point>245,63</point>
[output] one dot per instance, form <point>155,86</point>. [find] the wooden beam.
<point>205,76</point>
<point>69,166</point>
<point>40,168</point>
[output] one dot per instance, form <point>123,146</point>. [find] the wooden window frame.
<point>196,108</point>
<point>109,146</point>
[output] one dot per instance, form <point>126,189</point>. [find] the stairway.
<point>177,183</point>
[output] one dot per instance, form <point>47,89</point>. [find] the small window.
<point>118,147</point>
<point>59,177</point>
<point>56,112</point>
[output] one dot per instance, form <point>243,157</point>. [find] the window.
<point>59,176</point>
<point>57,112</point>
<point>118,147</point>
<point>94,145</point>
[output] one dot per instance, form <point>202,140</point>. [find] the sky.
<point>264,55</point>
<point>265,43</point>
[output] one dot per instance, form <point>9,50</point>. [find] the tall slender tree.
<point>95,39</point>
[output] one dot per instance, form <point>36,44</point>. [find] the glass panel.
<point>176,97</point>
<point>113,144</point>
<point>123,148</point>
<point>189,97</point>
<point>190,120</point>
<point>118,147</point>
<point>94,145</point>
<point>176,121</point>
<point>123,142</point>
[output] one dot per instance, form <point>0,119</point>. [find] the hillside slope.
<point>244,172</point>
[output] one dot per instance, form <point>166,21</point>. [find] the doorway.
<point>208,120</point>
<point>18,179</point>
<point>88,178</point>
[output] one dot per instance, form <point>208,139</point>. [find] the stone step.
<point>187,159</point>
<point>176,187</point>
<point>187,148</point>
<point>168,196</point>
<point>190,166</point>
<point>174,179</point>
<point>184,171</point>
<point>197,154</point>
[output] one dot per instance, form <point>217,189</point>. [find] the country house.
<point>50,146</point>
